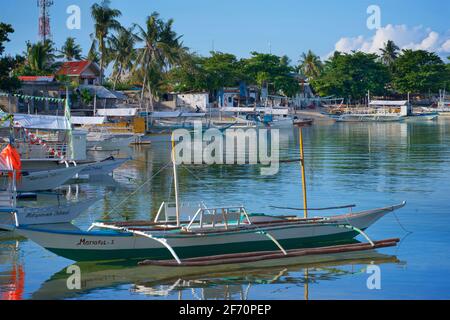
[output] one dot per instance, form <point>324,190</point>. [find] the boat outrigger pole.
<point>175,181</point>
<point>302,163</point>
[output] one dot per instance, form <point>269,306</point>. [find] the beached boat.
<point>209,232</point>
<point>301,122</point>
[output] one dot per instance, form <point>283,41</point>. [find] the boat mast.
<point>302,163</point>
<point>175,181</point>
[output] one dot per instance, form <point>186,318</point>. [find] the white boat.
<point>91,168</point>
<point>103,167</point>
<point>426,116</point>
<point>363,117</point>
<point>44,180</point>
<point>443,104</point>
<point>107,141</point>
<point>11,217</point>
<point>206,235</point>
<point>376,111</point>
<point>276,118</point>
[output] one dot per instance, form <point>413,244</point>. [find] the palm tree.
<point>71,50</point>
<point>105,21</point>
<point>40,58</point>
<point>93,54</point>
<point>122,52</point>
<point>310,65</point>
<point>162,49</point>
<point>389,53</point>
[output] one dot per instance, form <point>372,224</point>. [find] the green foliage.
<point>189,75</point>
<point>162,49</point>
<point>419,71</point>
<point>105,20</point>
<point>39,59</point>
<point>310,65</point>
<point>7,64</point>
<point>122,52</point>
<point>71,50</point>
<point>263,68</point>
<point>86,97</point>
<point>221,70</point>
<point>352,75</point>
<point>389,53</point>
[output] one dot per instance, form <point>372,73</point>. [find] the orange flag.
<point>10,160</point>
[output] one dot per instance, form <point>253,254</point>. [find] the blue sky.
<point>290,26</point>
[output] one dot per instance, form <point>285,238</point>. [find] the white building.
<point>194,100</point>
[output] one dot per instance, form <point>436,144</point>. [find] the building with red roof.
<point>82,72</point>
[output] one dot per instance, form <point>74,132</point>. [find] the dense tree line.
<point>153,57</point>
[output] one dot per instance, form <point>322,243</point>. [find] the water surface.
<point>371,165</point>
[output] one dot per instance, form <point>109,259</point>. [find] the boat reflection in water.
<point>12,271</point>
<point>210,282</point>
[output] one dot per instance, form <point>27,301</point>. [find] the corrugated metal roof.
<point>73,68</point>
<point>37,78</point>
<point>122,112</point>
<point>388,103</point>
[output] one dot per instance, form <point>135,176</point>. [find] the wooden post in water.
<point>175,181</point>
<point>302,162</point>
<point>306,289</point>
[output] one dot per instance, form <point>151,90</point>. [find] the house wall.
<point>194,100</point>
<point>228,99</point>
<point>9,104</point>
<point>89,76</point>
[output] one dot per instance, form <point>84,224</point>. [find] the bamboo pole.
<point>306,293</point>
<point>302,163</point>
<point>175,180</point>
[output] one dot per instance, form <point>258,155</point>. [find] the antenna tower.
<point>44,19</point>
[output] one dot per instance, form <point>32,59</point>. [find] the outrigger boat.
<point>91,168</point>
<point>210,235</point>
<point>12,215</point>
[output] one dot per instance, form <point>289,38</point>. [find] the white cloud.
<point>406,38</point>
<point>446,46</point>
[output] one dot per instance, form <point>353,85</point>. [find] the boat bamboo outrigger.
<point>205,234</point>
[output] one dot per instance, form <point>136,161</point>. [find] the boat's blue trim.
<point>106,233</point>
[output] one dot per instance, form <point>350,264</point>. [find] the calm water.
<point>371,165</point>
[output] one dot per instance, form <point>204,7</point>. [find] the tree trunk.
<point>117,77</point>
<point>102,47</point>
<point>143,89</point>
<point>150,96</point>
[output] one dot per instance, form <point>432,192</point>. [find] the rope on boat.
<point>139,188</point>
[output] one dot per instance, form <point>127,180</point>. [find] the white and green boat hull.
<point>112,245</point>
